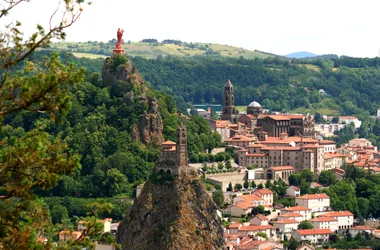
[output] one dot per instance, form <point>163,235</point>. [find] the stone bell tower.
<point>228,112</point>
<point>181,147</point>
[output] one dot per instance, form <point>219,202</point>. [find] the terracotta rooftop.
<point>361,228</point>
<point>276,117</point>
<point>314,231</point>
<point>323,219</point>
<point>235,226</point>
<point>239,138</point>
<point>313,196</point>
<point>282,168</point>
<point>263,191</point>
<point>296,208</point>
<point>282,148</point>
<point>251,197</point>
<point>295,188</point>
<point>255,228</point>
<point>243,205</point>
<point>291,215</point>
<point>168,142</point>
<point>337,214</point>
<point>286,222</point>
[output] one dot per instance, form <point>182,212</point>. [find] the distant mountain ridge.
<point>301,54</point>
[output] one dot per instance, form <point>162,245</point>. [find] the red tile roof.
<point>286,222</point>
<point>314,231</point>
<point>313,196</point>
<point>263,191</point>
<point>296,208</point>
<point>361,228</point>
<point>255,228</point>
<point>235,226</point>
<point>168,142</point>
<point>291,215</point>
<point>323,219</point>
<point>243,205</point>
<point>239,138</point>
<point>295,188</point>
<point>337,214</point>
<point>282,168</point>
<point>276,117</point>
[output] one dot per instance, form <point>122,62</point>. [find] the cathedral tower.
<point>228,112</point>
<point>181,146</point>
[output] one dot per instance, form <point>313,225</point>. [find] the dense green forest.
<point>352,85</point>
<point>98,128</point>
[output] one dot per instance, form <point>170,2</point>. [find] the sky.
<point>278,26</point>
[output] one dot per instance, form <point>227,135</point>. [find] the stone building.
<point>293,125</point>
<point>174,158</point>
<point>228,110</point>
<point>300,157</point>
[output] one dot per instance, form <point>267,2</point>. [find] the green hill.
<point>154,50</point>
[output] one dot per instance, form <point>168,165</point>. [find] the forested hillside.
<point>99,128</point>
<point>352,85</point>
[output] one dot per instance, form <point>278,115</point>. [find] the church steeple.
<point>181,146</point>
<point>228,112</point>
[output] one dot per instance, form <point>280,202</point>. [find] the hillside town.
<point>269,148</point>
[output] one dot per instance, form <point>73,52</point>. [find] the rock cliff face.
<point>149,126</point>
<point>176,214</point>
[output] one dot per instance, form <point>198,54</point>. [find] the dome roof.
<point>254,104</point>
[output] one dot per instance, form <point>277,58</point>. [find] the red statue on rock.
<point>118,48</point>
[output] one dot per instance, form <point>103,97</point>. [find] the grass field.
<point>149,50</point>
<point>88,55</point>
<point>311,66</point>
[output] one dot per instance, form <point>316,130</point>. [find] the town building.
<point>345,218</point>
<point>279,172</point>
<point>316,202</point>
<point>286,226</point>
<point>69,235</point>
<point>304,211</point>
<point>309,156</point>
<point>361,229</point>
<point>291,216</point>
<point>293,191</point>
<point>325,223</point>
<point>305,246</point>
<point>82,225</point>
<point>312,235</point>
<point>266,194</point>
<point>259,220</point>
<point>241,141</point>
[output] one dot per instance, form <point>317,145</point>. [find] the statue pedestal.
<point>118,51</point>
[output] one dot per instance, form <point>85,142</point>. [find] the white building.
<point>286,226</point>
<point>315,202</point>
<point>345,218</point>
<point>304,211</point>
<point>312,235</point>
<point>328,146</point>
<point>266,194</point>
<point>325,223</point>
<point>349,120</point>
<point>361,229</point>
<point>293,191</point>
<point>253,230</point>
<point>291,216</point>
